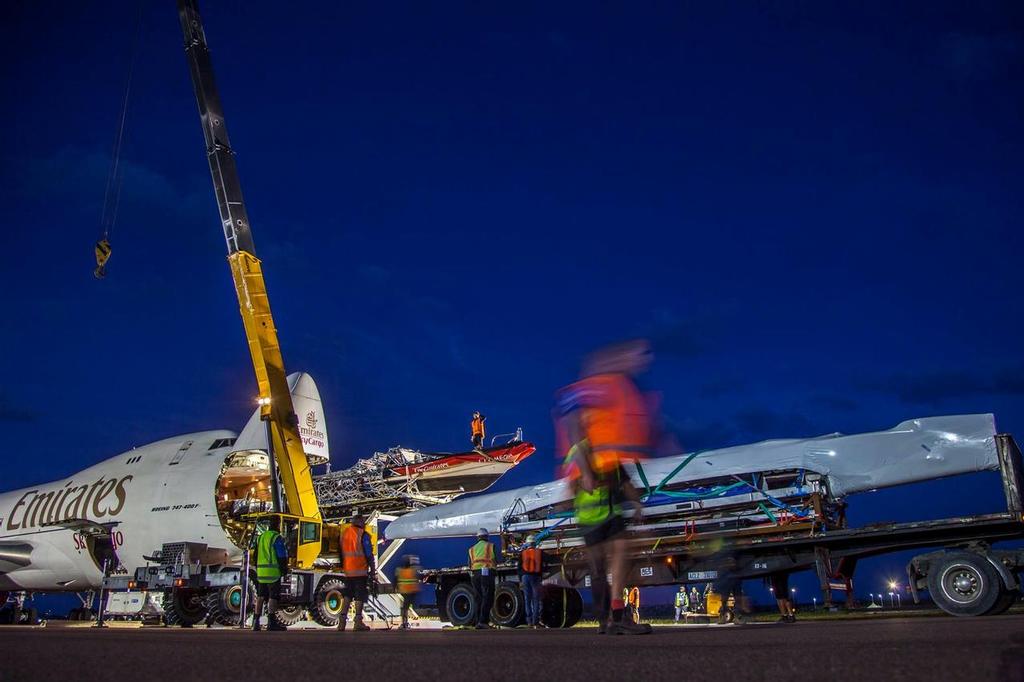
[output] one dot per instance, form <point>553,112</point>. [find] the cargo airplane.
<point>59,536</point>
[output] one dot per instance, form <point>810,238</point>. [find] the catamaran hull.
<point>915,450</point>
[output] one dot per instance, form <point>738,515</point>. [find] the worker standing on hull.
<point>606,422</point>
<point>476,427</point>
<point>407,577</point>
<point>357,564</point>
<point>271,565</point>
<point>531,563</point>
<point>482,560</point>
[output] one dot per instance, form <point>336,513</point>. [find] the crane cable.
<point>115,176</point>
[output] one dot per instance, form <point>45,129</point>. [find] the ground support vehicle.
<point>965,576</point>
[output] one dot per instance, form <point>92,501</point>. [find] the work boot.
<point>357,623</point>
<point>255,624</point>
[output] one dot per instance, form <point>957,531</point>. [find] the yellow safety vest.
<point>481,555</point>
<point>267,568</point>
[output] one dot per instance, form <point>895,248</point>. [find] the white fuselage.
<point>161,492</point>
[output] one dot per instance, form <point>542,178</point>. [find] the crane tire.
<point>326,608</point>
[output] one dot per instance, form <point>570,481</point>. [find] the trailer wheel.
<point>184,608</point>
<point>560,607</point>
<point>326,609</point>
<point>224,606</point>
<point>288,615</point>
<point>462,605</point>
<point>1007,598</point>
<point>964,584</point>
<point>509,608</point>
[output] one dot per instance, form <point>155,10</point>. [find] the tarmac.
<point>933,649</point>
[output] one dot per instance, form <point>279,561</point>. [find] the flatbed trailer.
<point>965,576</point>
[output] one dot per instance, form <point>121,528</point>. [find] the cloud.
<point>831,401</point>
<point>12,414</point>
<point>719,387</point>
<point>935,387</point>
<point>759,423</point>
<point>973,56</point>
<point>78,177</point>
<point>675,336</point>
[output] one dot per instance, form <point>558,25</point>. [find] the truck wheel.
<point>288,615</point>
<point>224,606</point>
<point>509,608</point>
<point>326,609</point>
<point>31,616</point>
<point>964,584</point>
<point>462,605</point>
<point>184,608</point>
<point>560,607</point>
<point>1007,598</point>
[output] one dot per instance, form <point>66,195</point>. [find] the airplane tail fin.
<point>312,423</point>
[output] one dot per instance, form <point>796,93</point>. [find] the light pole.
<point>892,601</point>
<point>815,600</point>
<point>872,595</point>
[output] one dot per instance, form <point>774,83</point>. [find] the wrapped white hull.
<point>915,450</point>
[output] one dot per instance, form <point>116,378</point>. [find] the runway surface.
<point>933,649</point>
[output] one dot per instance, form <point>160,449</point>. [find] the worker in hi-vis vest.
<point>271,564</point>
<point>482,560</point>
<point>407,578</point>
<point>682,602</point>
<point>531,565</point>
<point>476,427</point>
<point>357,565</point>
<point>604,422</point>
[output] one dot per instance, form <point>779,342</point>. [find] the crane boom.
<point>274,395</point>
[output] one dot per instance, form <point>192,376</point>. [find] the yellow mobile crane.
<point>295,503</point>
<point>298,507</point>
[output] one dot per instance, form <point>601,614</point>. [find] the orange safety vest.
<point>532,561</point>
<point>478,426</point>
<point>408,582</point>
<point>481,555</point>
<point>619,431</point>
<point>353,561</point>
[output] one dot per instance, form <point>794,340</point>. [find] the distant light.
<point>893,585</point>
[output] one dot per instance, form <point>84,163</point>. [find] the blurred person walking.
<point>606,422</point>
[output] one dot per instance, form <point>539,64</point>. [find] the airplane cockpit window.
<point>222,443</point>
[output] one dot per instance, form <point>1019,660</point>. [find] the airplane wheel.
<point>184,608</point>
<point>224,606</point>
<point>326,609</point>
<point>462,605</point>
<point>560,607</point>
<point>288,615</point>
<point>509,608</point>
<point>31,616</point>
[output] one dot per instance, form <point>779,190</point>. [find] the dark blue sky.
<point>814,212</point>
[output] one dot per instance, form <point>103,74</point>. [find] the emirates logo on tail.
<point>311,419</point>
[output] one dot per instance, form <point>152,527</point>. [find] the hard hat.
<point>482,533</point>
<point>531,539</point>
<point>358,520</point>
